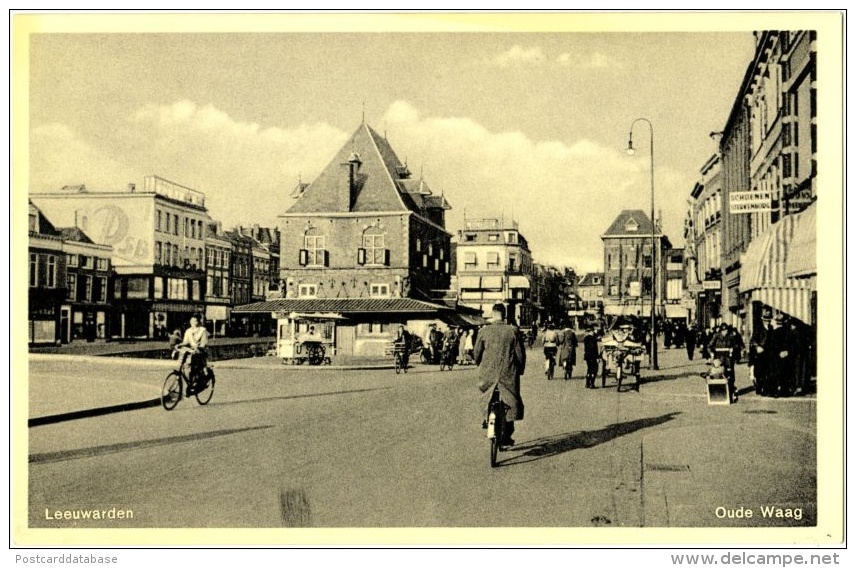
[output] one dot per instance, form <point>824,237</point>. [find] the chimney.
<point>132,187</point>
<point>347,191</point>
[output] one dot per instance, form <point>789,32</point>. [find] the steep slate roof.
<point>382,182</point>
<point>618,227</point>
<point>587,280</point>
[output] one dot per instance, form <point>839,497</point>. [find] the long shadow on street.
<point>554,445</point>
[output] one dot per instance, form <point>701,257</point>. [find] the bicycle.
<point>177,386</point>
<point>398,355</point>
<point>550,365</point>
<point>496,424</point>
<point>447,357</point>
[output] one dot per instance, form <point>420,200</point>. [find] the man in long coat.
<point>759,354</point>
<point>568,351</point>
<point>501,358</point>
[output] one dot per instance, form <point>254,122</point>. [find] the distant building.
<point>70,284</point>
<point>157,235</point>
<point>494,265</point>
<point>590,290</point>
<point>628,262</point>
<point>218,289</point>
<point>703,245</point>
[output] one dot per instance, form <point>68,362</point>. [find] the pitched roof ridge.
<point>394,185</point>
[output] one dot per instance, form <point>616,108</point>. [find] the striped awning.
<point>764,273</point>
<point>802,254</point>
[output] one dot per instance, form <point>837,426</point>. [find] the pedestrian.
<point>781,358</point>
<point>468,347</point>
<point>501,357</point>
<point>690,338</point>
<point>568,351</point>
<point>722,347</point>
<point>591,355</point>
<point>460,341</point>
<point>759,358</point>
<point>402,342</point>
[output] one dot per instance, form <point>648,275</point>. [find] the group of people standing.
<point>777,357</point>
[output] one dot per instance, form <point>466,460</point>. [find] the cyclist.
<point>501,358</point>
<point>402,344</point>
<point>551,341</point>
<point>195,345</point>
<point>450,345</point>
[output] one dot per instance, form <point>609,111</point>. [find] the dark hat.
<point>723,326</point>
<point>767,315</point>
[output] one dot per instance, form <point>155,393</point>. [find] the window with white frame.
<point>314,251</point>
<point>379,291</point>
<point>101,264</point>
<point>158,287</point>
<point>493,260</point>
<point>34,269</point>
<point>71,283</point>
<point>50,280</point>
<point>307,290</point>
<point>470,261</point>
<point>493,237</point>
<point>373,251</point>
<point>71,259</point>
<point>86,261</point>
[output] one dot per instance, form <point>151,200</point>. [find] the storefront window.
<point>138,288</point>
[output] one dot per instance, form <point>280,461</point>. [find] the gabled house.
<point>367,241</point>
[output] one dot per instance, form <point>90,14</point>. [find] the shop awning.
<point>463,319</point>
<point>764,272</point>
<point>469,282</point>
<point>491,282</point>
<point>675,311</point>
<point>517,281</point>
<point>802,254</point>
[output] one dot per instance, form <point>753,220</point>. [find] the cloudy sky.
<point>525,125</point>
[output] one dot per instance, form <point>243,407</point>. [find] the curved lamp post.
<point>631,151</point>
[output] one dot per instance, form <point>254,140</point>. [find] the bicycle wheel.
<point>204,397</point>
<point>171,391</point>
<point>494,434</point>
<point>397,363</point>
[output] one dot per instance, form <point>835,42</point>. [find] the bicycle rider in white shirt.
<point>195,345</point>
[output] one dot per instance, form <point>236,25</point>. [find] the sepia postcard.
<point>427,278</point>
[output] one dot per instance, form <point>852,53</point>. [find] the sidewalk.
<point>128,347</point>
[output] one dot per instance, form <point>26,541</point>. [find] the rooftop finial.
<point>364,112</point>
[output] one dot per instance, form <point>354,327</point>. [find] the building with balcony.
<point>157,237</point>
<point>494,265</point>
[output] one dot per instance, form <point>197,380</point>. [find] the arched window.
<point>373,251</point>
<point>314,251</point>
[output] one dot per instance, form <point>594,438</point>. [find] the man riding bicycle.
<point>501,358</point>
<point>194,345</point>
<point>401,341</point>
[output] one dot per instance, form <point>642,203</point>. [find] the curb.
<point>78,414</point>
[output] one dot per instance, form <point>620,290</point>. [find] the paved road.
<point>279,446</point>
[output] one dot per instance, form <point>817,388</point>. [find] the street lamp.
<point>631,151</point>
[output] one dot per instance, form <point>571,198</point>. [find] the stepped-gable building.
<point>367,241</point>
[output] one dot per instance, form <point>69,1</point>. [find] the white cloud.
<point>601,61</point>
<point>247,172</point>
<point>563,194</point>
<point>58,157</point>
<point>520,55</point>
